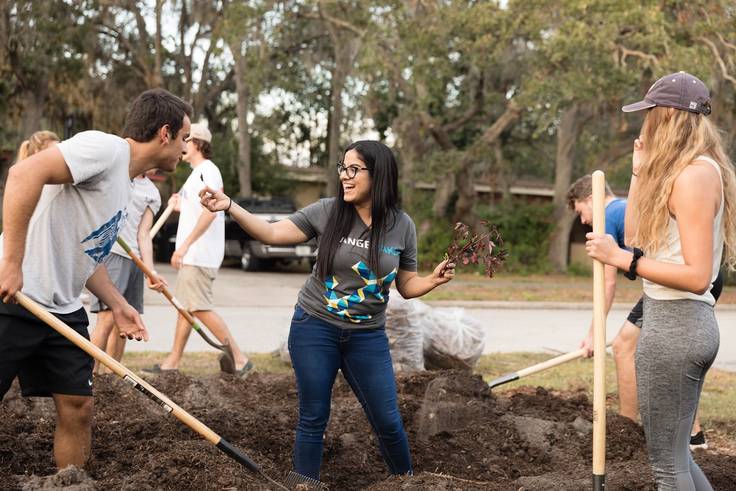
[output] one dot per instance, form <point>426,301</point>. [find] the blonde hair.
<point>673,139</point>
<point>38,141</point>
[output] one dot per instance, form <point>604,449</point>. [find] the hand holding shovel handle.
<point>179,307</point>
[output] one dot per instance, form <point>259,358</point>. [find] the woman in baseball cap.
<point>681,220</point>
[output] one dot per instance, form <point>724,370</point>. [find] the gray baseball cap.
<point>678,90</point>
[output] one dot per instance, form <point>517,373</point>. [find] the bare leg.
<point>624,349</point>
<point>103,329</point>
<point>696,423</point>
<point>217,325</point>
<point>73,435</point>
<point>183,329</point>
<point>115,345</point>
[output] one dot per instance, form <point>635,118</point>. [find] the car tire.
<point>248,261</point>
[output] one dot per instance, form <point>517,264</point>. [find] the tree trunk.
<point>158,80</point>
<point>243,92</point>
<point>33,102</point>
<point>464,207</point>
<point>567,135</point>
<point>343,64</point>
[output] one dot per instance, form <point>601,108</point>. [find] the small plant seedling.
<point>484,247</point>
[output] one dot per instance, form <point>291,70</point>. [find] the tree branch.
<point>510,115</point>
<point>719,59</point>
<point>475,107</point>
<point>626,52</point>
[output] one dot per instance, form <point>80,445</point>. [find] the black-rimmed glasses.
<point>351,171</point>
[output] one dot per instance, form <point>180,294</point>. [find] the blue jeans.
<point>318,350</point>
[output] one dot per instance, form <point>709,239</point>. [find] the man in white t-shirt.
<point>200,248</point>
<point>63,209</point>
<point>123,272</point>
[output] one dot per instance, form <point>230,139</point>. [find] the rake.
<point>227,363</point>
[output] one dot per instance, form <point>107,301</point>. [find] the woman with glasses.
<point>365,244</point>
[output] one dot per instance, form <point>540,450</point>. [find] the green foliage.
<point>525,230</point>
<point>267,175</point>
<point>579,269</point>
<point>432,243</point>
<point>524,227</point>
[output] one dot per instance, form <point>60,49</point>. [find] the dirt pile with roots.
<point>461,435</point>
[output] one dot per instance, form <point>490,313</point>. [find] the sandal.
<point>158,370</point>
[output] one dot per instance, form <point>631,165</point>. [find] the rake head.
<point>298,482</point>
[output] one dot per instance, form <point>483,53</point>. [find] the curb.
<point>519,305</point>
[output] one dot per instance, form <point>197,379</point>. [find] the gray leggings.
<point>678,343</point>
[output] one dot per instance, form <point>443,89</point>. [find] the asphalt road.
<point>258,306</point>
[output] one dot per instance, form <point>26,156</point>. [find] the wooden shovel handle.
<point>524,372</point>
<point>599,338</point>
<point>117,368</point>
<point>149,272</point>
<point>161,220</point>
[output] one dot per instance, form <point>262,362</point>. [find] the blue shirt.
<point>615,212</point>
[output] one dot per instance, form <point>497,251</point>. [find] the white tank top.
<point>671,253</point>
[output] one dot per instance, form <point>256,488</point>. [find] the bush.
<point>525,229</point>
<point>432,243</point>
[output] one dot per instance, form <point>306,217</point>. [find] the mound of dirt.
<point>461,435</point>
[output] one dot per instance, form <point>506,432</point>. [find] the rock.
<point>582,426</point>
<point>442,410</point>
<point>534,430</point>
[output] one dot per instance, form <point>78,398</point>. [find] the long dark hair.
<point>381,164</point>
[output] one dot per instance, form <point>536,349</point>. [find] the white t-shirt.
<point>145,195</point>
<point>74,226</point>
<point>209,249</point>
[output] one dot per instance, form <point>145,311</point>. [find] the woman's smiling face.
<point>357,189</point>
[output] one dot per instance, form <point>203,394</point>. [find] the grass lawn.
<point>540,288</point>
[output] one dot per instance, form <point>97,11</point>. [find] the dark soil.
<point>462,438</point>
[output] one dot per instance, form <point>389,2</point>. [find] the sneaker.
<point>697,441</point>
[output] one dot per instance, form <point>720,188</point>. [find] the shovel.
<point>143,387</point>
<point>227,363</point>
<point>552,362</point>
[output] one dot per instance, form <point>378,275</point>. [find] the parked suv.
<point>253,255</point>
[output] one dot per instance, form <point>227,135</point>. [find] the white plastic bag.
<point>404,321</point>
<point>452,339</point>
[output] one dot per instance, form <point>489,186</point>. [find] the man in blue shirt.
<point>580,199</point>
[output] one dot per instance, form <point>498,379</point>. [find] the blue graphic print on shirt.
<point>374,286</point>
<point>104,238</point>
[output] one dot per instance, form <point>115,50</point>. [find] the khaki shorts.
<point>194,287</point>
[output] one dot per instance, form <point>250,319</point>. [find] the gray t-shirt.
<point>353,296</point>
<point>74,226</point>
<point>145,195</point>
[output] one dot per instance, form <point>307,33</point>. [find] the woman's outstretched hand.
<point>214,200</point>
<point>443,273</point>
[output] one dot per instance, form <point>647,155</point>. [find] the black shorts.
<point>45,362</point>
<point>636,314</point>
